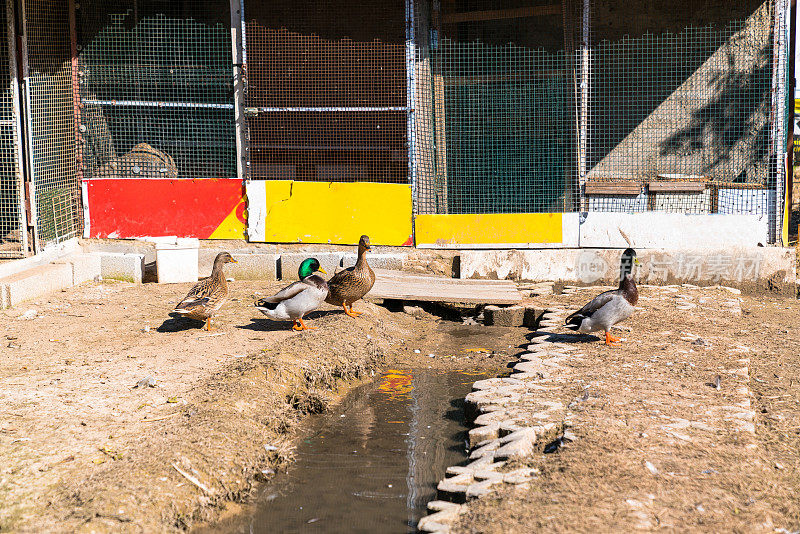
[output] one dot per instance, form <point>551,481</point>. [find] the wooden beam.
<point>499,14</point>
<point>628,187</point>
<point>659,186</point>
<point>402,285</point>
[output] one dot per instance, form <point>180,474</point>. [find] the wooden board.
<point>627,187</point>
<point>402,285</point>
<point>657,186</point>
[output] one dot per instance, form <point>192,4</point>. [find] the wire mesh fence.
<point>486,106</point>
<point>156,89</point>
<point>686,115</point>
<point>12,230</point>
<point>326,97</point>
<point>674,112</point>
<point>508,132</point>
<point>51,121</point>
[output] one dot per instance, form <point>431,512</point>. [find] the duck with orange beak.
<point>350,285</point>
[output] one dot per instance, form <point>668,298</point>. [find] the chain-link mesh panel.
<point>685,115</point>
<point>607,106</point>
<point>156,83</point>
<point>326,98</point>
<point>508,128</point>
<point>51,125</point>
<point>11,209</point>
<point>495,113</point>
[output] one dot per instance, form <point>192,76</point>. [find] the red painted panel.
<point>120,208</point>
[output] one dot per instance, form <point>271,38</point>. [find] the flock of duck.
<point>345,287</point>
<point>292,302</point>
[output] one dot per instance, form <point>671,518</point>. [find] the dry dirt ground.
<point>655,445</point>
<point>81,450</point>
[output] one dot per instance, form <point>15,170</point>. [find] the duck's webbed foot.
<point>299,326</point>
<point>351,312</point>
<point>612,341</point>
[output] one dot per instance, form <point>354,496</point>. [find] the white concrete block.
<point>290,262</point>
<point>377,261</point>
<point>122,266</point>
<point>85,267</point>
<point>253,267</point>
<point>177,261</point>
<point>713,265</point>
<point>672,230</point>
<point>34,282</point>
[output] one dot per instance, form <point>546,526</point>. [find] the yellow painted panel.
<point>333,212</point>
<point>489,228</point>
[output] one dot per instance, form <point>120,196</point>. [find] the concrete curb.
<point>34,283</point>
<point>85,267</point>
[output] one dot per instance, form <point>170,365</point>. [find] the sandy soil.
<point>653,450</point>
<point>82,450</point>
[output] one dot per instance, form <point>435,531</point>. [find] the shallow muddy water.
<point>373,463</point>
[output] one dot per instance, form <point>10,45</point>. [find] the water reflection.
<point>373,464</point>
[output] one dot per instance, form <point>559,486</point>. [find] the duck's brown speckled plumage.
<point>208,295</point>
<point>350,285</point>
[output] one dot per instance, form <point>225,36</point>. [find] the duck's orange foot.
<point>612,341</point>
<point>351,312</point>
<point>299,325</point>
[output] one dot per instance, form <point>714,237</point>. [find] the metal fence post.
<point>17,128</point>
<point>778,115</point>
<point>29,189</point>
<point>410,99</point>
<point>239,83</point>
<point>584,105</point>
<point>76,106</point>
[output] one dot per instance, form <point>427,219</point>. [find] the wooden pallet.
<point>401,285</point>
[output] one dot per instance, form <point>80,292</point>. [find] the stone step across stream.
<point>509,316</point>
<point>513,417</point>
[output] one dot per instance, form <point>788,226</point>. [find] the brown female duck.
<point>208,295</point>
<point>352,284</point>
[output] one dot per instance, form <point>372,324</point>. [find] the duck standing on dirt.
<point>299,298</point>
<point>208,295</point>
<point>352,284</point>
<point>610,307</point>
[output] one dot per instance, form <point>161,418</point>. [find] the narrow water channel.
<point>373,463</point>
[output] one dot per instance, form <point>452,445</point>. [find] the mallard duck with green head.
<point>295,300</point>
<point>208,295</point>
<point>350,285</point>
<point>610,307</point>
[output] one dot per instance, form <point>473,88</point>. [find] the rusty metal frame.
<point>11,34</point>
<point>239,84</point>
<point>30,189</point>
